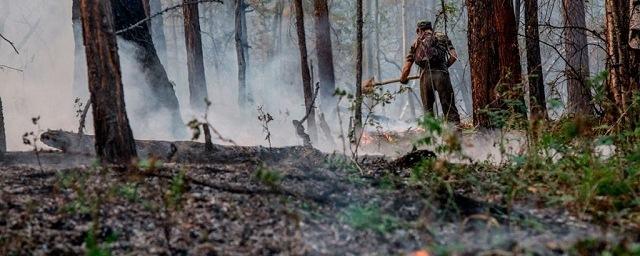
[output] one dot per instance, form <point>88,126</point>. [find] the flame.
<point>366,139</point>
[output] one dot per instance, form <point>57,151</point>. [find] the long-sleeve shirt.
<point>439,59</point>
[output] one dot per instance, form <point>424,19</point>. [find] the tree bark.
<point>3,136</point>
<point>114,139</point>
<point>324,53</point>
<point>195,61</point>
<point>577,55</point>
<point>359,96</point>
<point>243,98</point>
<point>306,74</point>
<point>537,98</point>
<point>483,49</point>
<point>510,86</point>
<point>127,13</point>
<point>617,31</point>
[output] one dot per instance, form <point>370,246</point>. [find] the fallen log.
<point>183,151</point>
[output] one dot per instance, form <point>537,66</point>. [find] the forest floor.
<point>285,201</point>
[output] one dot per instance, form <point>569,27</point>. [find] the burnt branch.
<point>11,43</point>
<point>160,13</point>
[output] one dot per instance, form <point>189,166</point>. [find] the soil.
<point>260,201</point>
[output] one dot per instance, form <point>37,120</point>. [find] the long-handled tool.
<point>369,85</point>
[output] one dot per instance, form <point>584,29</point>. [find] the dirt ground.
<point>260,201</point>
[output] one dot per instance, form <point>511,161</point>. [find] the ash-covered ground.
<point>261,201</point>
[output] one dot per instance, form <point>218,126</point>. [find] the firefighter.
<point>434,53</point>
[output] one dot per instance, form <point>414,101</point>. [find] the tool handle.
<point>395,81</point>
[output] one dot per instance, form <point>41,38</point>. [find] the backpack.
<point>431,49</point>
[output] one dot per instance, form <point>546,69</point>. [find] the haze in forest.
<point>43,33</point>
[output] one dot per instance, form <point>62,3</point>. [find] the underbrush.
<point>592,171</point>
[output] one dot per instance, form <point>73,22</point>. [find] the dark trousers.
<point>439,81</point>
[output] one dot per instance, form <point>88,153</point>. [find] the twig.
<point>298,124</point>
<point>83,116</point>
<point>11,43</point>
<point>12,68</point>
<point>139,23</point>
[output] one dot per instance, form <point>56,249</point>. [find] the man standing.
<point>433,52</point>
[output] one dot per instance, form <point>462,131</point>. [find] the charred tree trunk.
<point>306,74</point>
<point>157,30</point>
<point>483,49</point>
<point>3,136</point>
<point>243,97</point>
<point>79,65</point>
<point>577,55</point>
<point>537,98</point>
<point>127,13</point>
<point>510,85</point>
<point>114,139</point>
<point>324,54</point>
<point>359,96</point>
<point>195,61</point>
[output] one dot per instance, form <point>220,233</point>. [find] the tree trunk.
<point>517,7</point>
<point>276,29</point>
<point>412,108</point>
<point>377,24</point>
<point>359,97</point>
<point>369,43</point>
<point>243,98</point>
<point>618,51</point>
<point>577,55</point>
<point>306,74</point>
<point>483,49</point>
<point>195,61</point>
<point>79,65</point>
<point>537,98</point>
<point>157,30</point>
<point>114,139</point>
<point>510,86</point>
<point>3,136</point>
<point>127,13</point>
<point>324,54</point>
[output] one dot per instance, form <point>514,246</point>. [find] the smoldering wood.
<point>130,22</point>
<point>114,140</point>
<point>171,151</point>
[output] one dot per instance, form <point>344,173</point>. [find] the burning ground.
<point>286,201</point>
